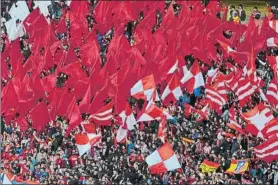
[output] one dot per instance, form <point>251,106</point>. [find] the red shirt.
<point>60,162</point>
<point>73,159</point>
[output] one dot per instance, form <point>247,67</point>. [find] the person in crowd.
<point>256,13</point>
<point>241,13</point>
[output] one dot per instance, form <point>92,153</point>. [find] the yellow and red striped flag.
<point>208,166</point>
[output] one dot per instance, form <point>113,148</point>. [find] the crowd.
<point>51,157</point>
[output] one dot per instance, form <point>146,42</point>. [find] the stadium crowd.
<point>51,157</point>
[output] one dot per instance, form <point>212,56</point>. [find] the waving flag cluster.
<point>258,119</point>
<point>55,82</point>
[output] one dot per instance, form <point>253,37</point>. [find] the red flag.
<point>74,117</point>
<point>22,123</point>
<point>30,21</point>
<point>40,116</point>
<point>66,101</point>
<point>89,53</point>
<point>9,98</point>
<point>62,27</point>
<point>86,100</point>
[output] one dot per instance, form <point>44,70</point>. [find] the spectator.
<point>256,13</point>
<point>241,13</point>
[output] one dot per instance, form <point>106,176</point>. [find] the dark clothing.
<point>242,15</point>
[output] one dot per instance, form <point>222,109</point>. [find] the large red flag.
<point>40,116</point>
<point>66,101</point>
<point>9,98</point>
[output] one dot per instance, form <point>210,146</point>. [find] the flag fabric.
<point>127,117</point>
<point>215,97</point>
<point>208,166</point>
<point>274,25</point>
<point>6,179</point>
<point>243,89</point>
<point>82,143</point>
<point>272,93</point>
<point>85,141</point>
<point>271,128</point>
<point>162,160</point>
<point>268,150</point>
<point>272,42</point>
<point>127,123</point>
<point>104,115</point>
<point>238,166</point>
<point>152,112</point>
<point>40,116</point>
<point>144,88</point>
<point>14,31</point>
<point>19,10</point>
<point>121,133</point>
<point>172,91</point>
<point>233,122</point>
<point>188,140</point>
<point>273,62</point>
<point>192,78</point>
<point>161,134</point>
<point>256,119</point>
<point>226,47</point>
<point>221,88</point>
<point>176,66</point>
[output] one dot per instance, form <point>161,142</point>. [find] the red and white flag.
<point>272,93</point>
<point>272,42</point>
<point>256,80</point>
<point>268,150</point>
<point>243,89</point>
<point>212,75</point>
<point>163,159</point>
<point>128,117</point>
<point>84,142</point>
<point>172,90</point>
<point>152,112</point>
<point>233,122</point>
<point>122,133</point>
<point>225,46</point>
<point>221,87</point>
<point>256,119</point>
<point>215,97</point>
<point>144,88</point>
<point>104,115</point>
<point>192,78</point>
<point>128,122</point>
<point>274,25</point>
<point>162,129</point>
<point>271,128</point>
<point>176,66</point>
<point>273,62</point>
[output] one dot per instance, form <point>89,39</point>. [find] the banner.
<point>238,166</point>
<point>188,140</point>
<point>208,166</point>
